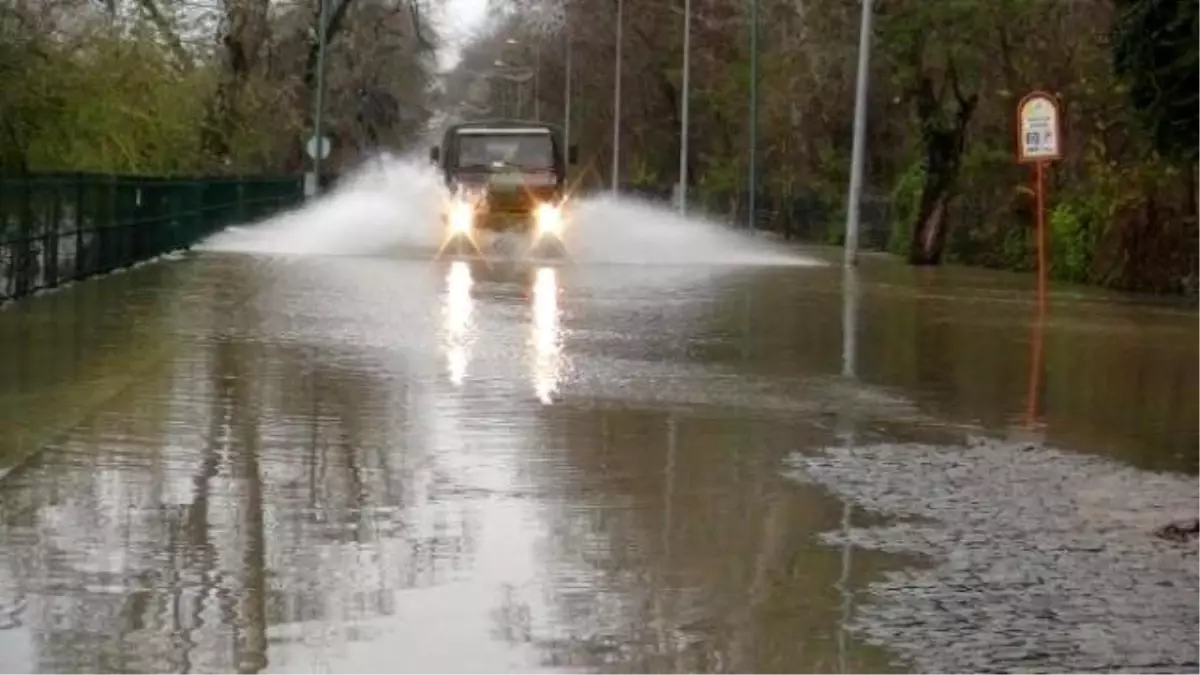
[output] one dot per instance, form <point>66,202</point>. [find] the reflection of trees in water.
<point>699,561</point>
<point>131,564</point>
<point>68,349</point>
<point>355,517</point>
<point>84,535</point>
<point>347,496</point>
<point>1119,376</point>
<point>251,485</point>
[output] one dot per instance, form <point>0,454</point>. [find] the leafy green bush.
<point>906,202</point>
<point>1073,228</point>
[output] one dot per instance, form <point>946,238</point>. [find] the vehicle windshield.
<point>529,152</point>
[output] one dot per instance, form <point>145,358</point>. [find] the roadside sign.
<point>1039,142</point>
<point>1039,137</point>
<point>311,146</point>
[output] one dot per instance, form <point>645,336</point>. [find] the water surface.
<point>382,465</point>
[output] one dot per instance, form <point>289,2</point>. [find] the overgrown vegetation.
<point>946,77</point>
<point>178,86</point>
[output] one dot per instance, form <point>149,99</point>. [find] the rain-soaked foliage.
<point>175,86</point>
<point>945,81</point>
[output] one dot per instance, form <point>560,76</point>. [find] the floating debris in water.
<point>1042,560</point>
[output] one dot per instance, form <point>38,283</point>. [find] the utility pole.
<point>683,105</point>
<point>567,92</point>
<point>616,153</point>
<point>537,80</point>
<point>319,102</point>
<point>854,199</point>
<point>753,198</point>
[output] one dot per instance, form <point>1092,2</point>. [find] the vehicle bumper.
<point>505,221</point>
<point>544,220</point>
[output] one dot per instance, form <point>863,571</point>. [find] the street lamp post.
<point>518,89</point>
<point>753,197</point>
<point>683,115</point>
<point>616,151</point>
<point>567,92</point>
<point>518,81</point>
<point>318,103</point>
<point>860,131</point>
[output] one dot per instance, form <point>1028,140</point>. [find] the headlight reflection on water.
<point>457,316</point>
<point>547,334</point>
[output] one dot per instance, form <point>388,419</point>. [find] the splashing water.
<point>612,229</point>
<point>392,204</point>
<point>389,204</point>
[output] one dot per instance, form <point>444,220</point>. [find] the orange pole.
<point>1038,168</point>
<point>1036,359</point>
<point>1036,366</point>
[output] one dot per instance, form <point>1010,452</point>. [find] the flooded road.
<point>235,463</point>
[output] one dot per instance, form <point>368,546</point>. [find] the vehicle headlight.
<point>549,219</point>
<point>462,216</point>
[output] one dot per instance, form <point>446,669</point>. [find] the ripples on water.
<point>1042,561</point>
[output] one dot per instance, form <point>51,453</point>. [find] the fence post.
<point>80,253</point>
<point>21,261</point>
<point>178,204</point>
<point>105,221</point>
<point>53,226</point>
<point>240,211</point>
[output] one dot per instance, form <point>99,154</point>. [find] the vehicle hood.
<point>502,181</point>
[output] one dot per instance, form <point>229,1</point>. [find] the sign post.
<point>317,148</point>
<point>1039,142</point>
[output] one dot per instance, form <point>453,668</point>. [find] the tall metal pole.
<point>537,81</point>
<point>847,434</point>
<point>850,311</point>
<point>567,94</point>
<point>753,198</point>
<point>616,152</point>
<point>319,102</point>
<point>683,105</point>
<point>854,199</point>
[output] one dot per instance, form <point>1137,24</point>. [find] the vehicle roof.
<point>500,123</point>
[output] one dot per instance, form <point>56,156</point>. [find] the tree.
<point>165,86</point>
<point>1155,50</point>
<point>946,77</point>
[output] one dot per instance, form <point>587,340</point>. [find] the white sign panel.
<point>311,146</point>
<point>1038,136</point>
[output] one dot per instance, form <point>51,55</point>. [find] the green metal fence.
<point>58,227</point>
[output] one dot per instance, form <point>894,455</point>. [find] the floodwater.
<point>237,463</point>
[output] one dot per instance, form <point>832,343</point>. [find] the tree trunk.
<point>941,170</point>
<point>1189,190</point>
<point>335,15</point>
<point>244,34</point>
<point>944,142</point>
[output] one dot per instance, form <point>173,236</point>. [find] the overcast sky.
<point>460,19</point>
